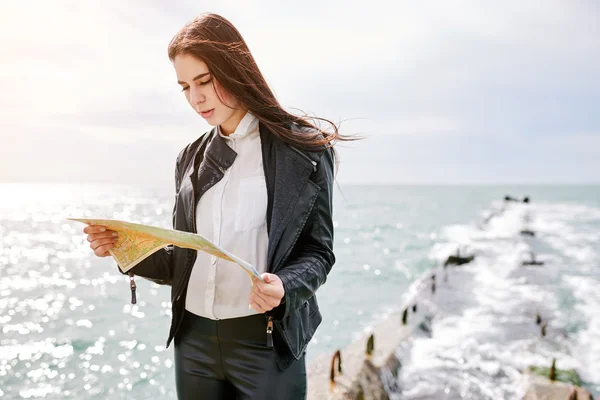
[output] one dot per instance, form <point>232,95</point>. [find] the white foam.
<point>485,334</point>
<point>587,342</point>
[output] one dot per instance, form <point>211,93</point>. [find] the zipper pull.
<point>270,332</point>
<point>133,287</point>
<point>307,158</point>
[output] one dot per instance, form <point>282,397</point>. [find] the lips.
<point>207,113</point>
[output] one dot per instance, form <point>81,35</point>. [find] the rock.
<point>560,375</point>
<point>337,356</point>
<point>510,198</point>
<point>543,328</point>
<point>364,375</point>
<point>369,385</point>
<point>370,345</point>
<point>527,232</point>
<point>458,259</point>
<point>532,261</point>
<point>527,263</point>
<point>541,388</point>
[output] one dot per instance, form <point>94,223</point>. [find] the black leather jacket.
<point>300,228</point>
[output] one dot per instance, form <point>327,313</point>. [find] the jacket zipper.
<point>177,294</point>
<point>133,287</point>
<point>269,317</point>
<point>194,207</point>
<point>307,158</point>
<point>269,331</point>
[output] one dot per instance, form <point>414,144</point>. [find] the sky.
<point>443,92</point>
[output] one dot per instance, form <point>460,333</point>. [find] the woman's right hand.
<point>101,239</point>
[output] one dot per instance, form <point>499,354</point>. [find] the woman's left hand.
<point>266,295</point>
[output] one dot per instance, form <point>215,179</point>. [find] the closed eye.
<point>199,83</point>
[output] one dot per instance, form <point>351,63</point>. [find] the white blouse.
<point>233,214</point>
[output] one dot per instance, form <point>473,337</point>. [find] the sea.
<point>68,330</point>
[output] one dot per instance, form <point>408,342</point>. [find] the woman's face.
<point>201,90</point>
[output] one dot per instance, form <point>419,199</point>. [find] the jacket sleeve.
<point>307,270</point>
<point>158,267</point>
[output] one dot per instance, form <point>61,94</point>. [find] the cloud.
<point>437,75</point>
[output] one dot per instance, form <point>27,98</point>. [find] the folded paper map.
<point>136,242</point>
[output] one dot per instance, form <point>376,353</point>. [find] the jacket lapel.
<point>287,175</point>
<point>210,163</point>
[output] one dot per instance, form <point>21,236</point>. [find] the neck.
<point>229,126</point>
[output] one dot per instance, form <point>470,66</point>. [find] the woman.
<point>260,185</point>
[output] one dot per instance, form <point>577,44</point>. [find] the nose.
<point>196,96</point>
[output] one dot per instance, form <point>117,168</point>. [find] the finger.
<point>256,281</point>
<point>273,301</point>
<point>104,235</point>
<point>263,299</point>
<point>270,280</point>
<point>256,307</point>
<point>262,286</point>
<point>94,229</point>
<point>102,251</point>
<point>103,248</point>
<point>101,242</point>
<point>270,290</point>
<point>261,305</point>
<point>267,302</point>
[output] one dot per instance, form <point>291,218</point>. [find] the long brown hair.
<point>214,40</point>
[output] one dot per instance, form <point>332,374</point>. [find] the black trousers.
<point>229,359</point>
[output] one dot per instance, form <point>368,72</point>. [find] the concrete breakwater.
<point>371,364</point>
<point>368,367</point>
<point>541,388</point>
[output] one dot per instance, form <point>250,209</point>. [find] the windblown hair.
<point>214,40</point>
